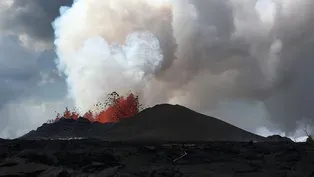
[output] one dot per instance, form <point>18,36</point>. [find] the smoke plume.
<point>192,52</point>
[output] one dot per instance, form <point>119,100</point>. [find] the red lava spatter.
<point>115,108</point>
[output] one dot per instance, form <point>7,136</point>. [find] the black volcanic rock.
<point>176,123</point>
<point>91,157</point>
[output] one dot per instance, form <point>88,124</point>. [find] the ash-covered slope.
<point>176,123</point>
<point>160,123</point>
<point>69,128</point>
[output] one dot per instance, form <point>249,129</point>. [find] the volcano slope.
<point>161,123</point>
<point>176,123</point>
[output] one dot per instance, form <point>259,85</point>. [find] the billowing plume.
<point>191,52</point>
<point>112,51</point>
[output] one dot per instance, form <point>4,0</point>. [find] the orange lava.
<point>118,107</point>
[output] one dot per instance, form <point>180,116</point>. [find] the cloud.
<point>17,68</point>
<point>32,17</point>
<point>27,98</point>
<point>29,83</point>
<point>21,68</point>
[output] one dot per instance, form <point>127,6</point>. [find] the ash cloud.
<point>212,51</point>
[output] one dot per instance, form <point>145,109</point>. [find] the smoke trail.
<point>200,51</point>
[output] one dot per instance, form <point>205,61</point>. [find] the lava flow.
<point>115,108</point>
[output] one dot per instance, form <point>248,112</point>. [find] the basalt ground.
<point>93,157</point>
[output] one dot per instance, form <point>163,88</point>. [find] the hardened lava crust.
<point>94,157</point>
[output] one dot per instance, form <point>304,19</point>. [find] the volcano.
<point>176,123</point>
<point>162,122</point>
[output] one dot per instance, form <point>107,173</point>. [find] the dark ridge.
<point>161,123</point>
<point>69,128</point>
<point>278,138</point>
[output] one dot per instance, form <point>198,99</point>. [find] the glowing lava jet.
<point>115,108</point>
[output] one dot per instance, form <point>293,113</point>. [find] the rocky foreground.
<point>104,159</point>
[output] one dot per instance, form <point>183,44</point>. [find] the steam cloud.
<point>192,52</point>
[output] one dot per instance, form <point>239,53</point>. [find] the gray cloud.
<point>16,70</point>
<point>20,93</point>
<point>293,101</point>
<point>32,17</point>
<point>27,76</point>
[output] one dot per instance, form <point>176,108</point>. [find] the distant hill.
<point>163,122</point>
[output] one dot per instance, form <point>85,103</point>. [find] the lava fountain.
<point>114,109</point>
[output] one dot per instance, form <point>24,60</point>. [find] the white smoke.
<point>191,52</point>
<point>111,68</point>
<point>96,67</point>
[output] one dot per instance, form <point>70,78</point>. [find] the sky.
<point>38,77</point>
<point>31,89</point>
